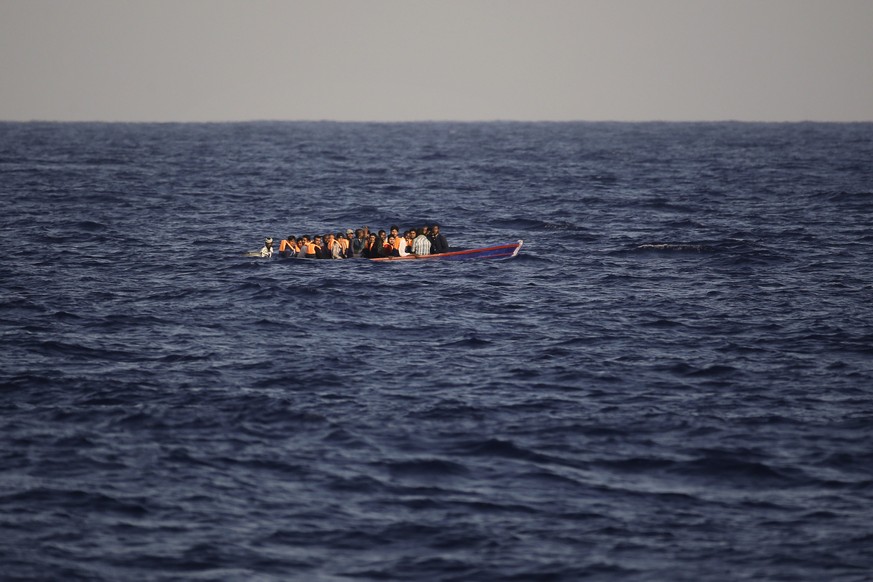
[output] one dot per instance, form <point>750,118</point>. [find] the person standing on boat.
<point>267,251</point>
<point>438,242</point>
<point>421,244</point>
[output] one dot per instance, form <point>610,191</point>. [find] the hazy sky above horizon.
<point>398,60</point>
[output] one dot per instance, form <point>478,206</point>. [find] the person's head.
<point>291,238</point>
<point>359,233</point>
<point>268,241</point>
<point>305,238</point>
<point>391,238</point>
<point>395,230</point>
<point>412,233</point>
<point>372,237</point>
<point>382,234</point>
<point>317,240</point>
<point>425,229</point>
<point>435,229</point>
<point>350,233</point>
<point>329,238</point>
<point>340,235</point>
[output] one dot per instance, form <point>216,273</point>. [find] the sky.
<point>462,60</point>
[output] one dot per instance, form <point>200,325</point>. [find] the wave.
<point>727,251</point>
<point>425,468</point>
<point>676,247</point>
<point>855,199</point>
<point>532,224</point>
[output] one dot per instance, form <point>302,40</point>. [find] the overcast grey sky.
<point>216,60</point>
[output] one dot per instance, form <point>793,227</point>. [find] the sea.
<point>673,380</point>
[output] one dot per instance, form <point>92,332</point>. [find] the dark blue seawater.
<point>672,381</point>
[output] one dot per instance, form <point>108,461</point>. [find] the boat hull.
<point>501,251</point>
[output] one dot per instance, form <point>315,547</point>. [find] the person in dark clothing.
<point>373,247</point>
<point>438,242</point>
<point>358,243</point>
<point>319,247</point>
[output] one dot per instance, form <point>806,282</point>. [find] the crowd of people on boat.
<point>361,243</point>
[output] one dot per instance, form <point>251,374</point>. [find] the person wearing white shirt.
<point>267,251</point>
<point>421,245</point>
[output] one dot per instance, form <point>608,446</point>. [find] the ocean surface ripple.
<point>672,381</point>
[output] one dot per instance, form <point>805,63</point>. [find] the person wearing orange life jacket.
<point>288,247</point>
<point>308,248</point>
<point>388,249</point>
<point>332,248</point>
<point>343,241</point>
<point>398,240</point>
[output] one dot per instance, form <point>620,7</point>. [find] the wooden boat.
<point>501,251</point>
